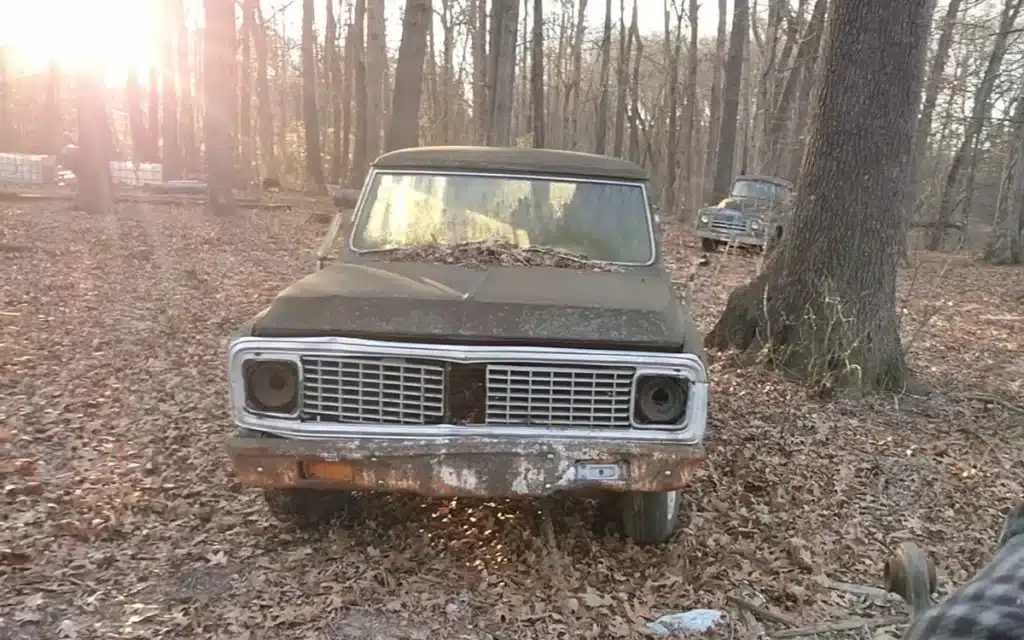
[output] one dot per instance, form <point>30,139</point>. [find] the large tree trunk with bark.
<point>824,309</point>
<point>502,62</point>
<point>726,154</point>
<point>221,104</point>
<point>187,124</point>
<point>404,130</point>
<point>1004,247</point>
<point>171,167</point>
<point>715,106</point>
<point>361,154</point>
<point>92,162</point>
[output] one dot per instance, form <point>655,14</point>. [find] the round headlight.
<point>704,218</point>
<point>272,386</point>
<point>660,400</point>
<point>755,225</point>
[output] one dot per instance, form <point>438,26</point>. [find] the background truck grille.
<point>728,224</point>
<point>559,396</point>
<point>371,390</point>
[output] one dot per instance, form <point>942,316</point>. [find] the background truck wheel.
<point>650,518</point>
<point>305,508</point>
<point>708,245</point>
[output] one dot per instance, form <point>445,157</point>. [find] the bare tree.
<point>171,156</point>
<point>310,115</point>
<point>606,68</point>
<point>92,161</point>
<point>733,78</point>
<point>405,111</point>
<point>715,103</point>
<point>265,113</point>
<point>825,306</point>
<point>502,66</point>
<point>221,103</point>
<point>537,74</point>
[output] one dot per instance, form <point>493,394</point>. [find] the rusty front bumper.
<point>484,467</point>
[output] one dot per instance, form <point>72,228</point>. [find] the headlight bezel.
<point>685,383</point>
<point>704,218</point>
<point>249,363</point>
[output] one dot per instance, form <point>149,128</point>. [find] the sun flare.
<point>112,35</point>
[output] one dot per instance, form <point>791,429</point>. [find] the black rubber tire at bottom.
<point>650,518</point>
<point>708,245</point>
<point>305,508</point>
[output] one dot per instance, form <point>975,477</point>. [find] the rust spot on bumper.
<point>482,467</point>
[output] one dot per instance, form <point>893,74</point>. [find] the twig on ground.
<point>843,625</point>
<point>984,397</point>
<point>858,589</point>
<point>761,612</point>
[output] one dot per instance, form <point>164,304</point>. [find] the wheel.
<point>650,518</point>
<point>708,245</point>
<point>305,508</point>
<point>911,575</point>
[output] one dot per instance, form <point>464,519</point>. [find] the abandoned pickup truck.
<point>499,324</point>
<point>754,214</point>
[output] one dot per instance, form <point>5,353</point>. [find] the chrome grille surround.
<point>728,223</point>
<point>499,361</point>
<point>371,390</point>
<point>559,396</point>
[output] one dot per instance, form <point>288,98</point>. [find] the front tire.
<point>708,245</point>
<point>307,509</point>
<point>649,517</point>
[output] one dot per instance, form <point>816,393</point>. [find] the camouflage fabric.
<point>989,607</point>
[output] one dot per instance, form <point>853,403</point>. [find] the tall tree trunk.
<point>92,162</point>
<point>606,69</point>
<point>404,130</point>
<point>171,167</point>
<point>332,59</point>
<point>361,155</point>
<point>672,81</point>
<point>221,104</point>
<point>6,97</point>
<point>1004,247</point>
<point>572,91</point>
<point>154,114</point>
<point>187,123</point>
<point>53,125</point>
<point>348,91</point>
<point>824,308</point>
<point>537,74</point>
<point>622,81</point>
<point>980,110</point>
<point>141,144</point>
<point>733,80</point>
<point>310,116</point>
<point>478,28</point>
<point>634,92</point>
<point>376,64</point>
<point>715,106</point>
<point>265,110</point>
<point>503,70</point>
<point>690,101</point>
<point>245,137</point>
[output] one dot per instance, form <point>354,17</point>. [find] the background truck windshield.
<point>604,221</point>
<point>759,189</point>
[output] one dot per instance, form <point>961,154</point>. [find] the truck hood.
<point>510,305</point>
<point>748,206</point>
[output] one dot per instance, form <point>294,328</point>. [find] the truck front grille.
<point>562,396</point>
<point>728,223</point>
<point>359,390</point>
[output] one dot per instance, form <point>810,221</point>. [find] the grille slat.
<point>729,223</point>
<point>371,390</point>
<point>559,396</point>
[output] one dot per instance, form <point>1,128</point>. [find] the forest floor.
<point>120,518</point>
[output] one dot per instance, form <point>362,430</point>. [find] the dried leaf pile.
<point>493,252</point>
<point>120,518</point>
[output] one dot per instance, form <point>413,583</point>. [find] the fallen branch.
<point>761,612</point>
<point>984,397</point>
<point>844,625</point>
<point>858,589</point>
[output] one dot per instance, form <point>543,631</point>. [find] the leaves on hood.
<point>495,252</point>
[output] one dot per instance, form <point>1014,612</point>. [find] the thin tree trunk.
<point>332,55</point>
<point>537,74</point>
<point>221,104</point>
<point>715,106</point>
<point>634,93</point>
<point>478,27</point>
<point>245,137</point>
<point>376,68</point>
<point>503,70</point>
<point>622,81</point>
<point>187,119</point>
<point>92,163</point>
<point>310,114</point>
<point>265,111</point>
<point>404,130</point>
<point>172,165</point>
<point>154,114</point>
<point>606,68</point>
<point>731,101</point>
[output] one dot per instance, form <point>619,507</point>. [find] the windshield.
<point>603,221</point>
<point>759,189</point>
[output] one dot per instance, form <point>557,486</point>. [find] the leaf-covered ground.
<point>120,518</point>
